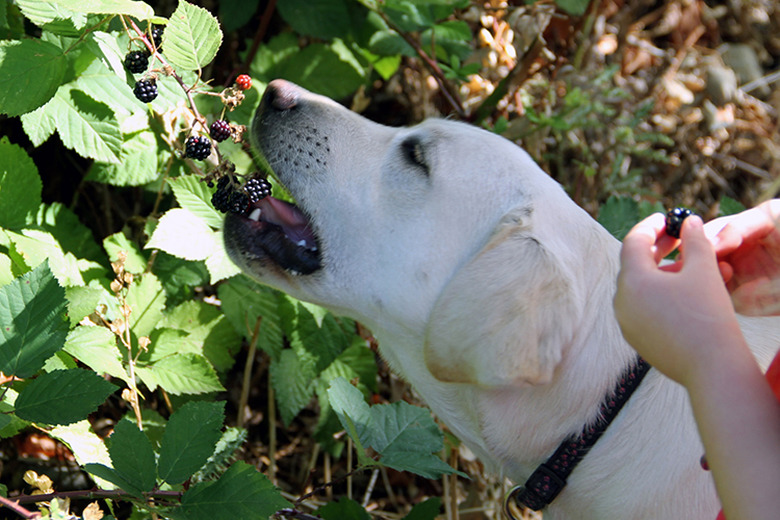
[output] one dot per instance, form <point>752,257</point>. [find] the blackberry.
<point>157,34</point>
<point>137,61</point>
<point>219,130</point>
<point>145,90</point>
<point>221,198</point>
<point>197,147</point>
<point>674,220</point>
<point>238,202</point>
<point>257,189</point>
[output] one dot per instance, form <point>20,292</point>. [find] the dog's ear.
<point>506,316</point>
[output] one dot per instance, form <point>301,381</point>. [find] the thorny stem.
<point>89,494</point>
<point>14,506</point>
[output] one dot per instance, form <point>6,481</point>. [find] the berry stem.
<point>169,70</point>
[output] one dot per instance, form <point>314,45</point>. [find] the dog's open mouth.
<point>280,231</point>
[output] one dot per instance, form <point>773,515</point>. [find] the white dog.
<point>488,289</point>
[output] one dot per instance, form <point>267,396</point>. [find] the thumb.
<point>696,249</point>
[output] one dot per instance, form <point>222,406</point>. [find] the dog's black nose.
<point>282,95</point>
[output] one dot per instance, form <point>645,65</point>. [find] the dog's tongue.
<point>289,218</point>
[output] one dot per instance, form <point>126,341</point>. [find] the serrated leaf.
<point>243,301</point>
<point>132,455</point>
<point>66,228</point>
<point>134,8</point>
<point>182,234</point>
<point>32,322</point>
<point>618,215</point>
<point>292,379</point>
<point>96,348</point>
<point>85,445</point>
<point>178,374</point>
<point>39,246</point>
<point>427,510</point>
<point>343,509</point>
<point>220,266</point>
<point>195,196</point>
<point>321,69</point>
<point>190,436</point>
<point>107,473</point>
<point>241,492</point>
<point>20,186</point>
<point>191,38</point>
<point>135,262</point>
<point>207,332</point>
<point>352,410</point>
<point>146,298</point>
<point>62,396</point>
<point>137,163</point>
<point>31,71</point>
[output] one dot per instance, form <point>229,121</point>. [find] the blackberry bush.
<point>219,130</point>
<point>137,61</point>
<point>197,147</point>
<point>145,90</point>
<point>674,220</point>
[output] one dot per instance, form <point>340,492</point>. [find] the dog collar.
<point>549,478</point>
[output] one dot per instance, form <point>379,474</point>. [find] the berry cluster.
<point>197,147</point>
<point>137,61</point>
<point>219,130</point>
<point>674,220</point>
<point>230,198</point>
<point>145,90</point>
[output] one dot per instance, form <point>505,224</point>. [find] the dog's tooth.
<point>302,243</point>
<point>255,215</point>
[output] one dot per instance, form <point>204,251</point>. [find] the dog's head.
<point>395,225</point>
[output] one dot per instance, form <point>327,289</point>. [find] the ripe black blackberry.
<point>145,90</point>
<point>137,61</point>
<point>238,202</point>
<point>257,189</point>
<point>219,130</point>
<point>197,147</point>
<point>674,220</point>
<point>157,34</point>
<point>221,198</point>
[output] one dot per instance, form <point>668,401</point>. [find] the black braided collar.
<point>548,480</point>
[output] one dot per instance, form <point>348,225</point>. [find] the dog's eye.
<point>414,152</point>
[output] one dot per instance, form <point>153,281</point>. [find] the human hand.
<point>679,319</point>
<point>748,249</point>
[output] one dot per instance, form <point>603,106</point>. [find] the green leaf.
<point>181,374</point>
<point>321,69</point>
<point>427,510</point>
<point>343,509</point>
<point>575,7</point>
<point>191,38</point>
<point>52,16</point>
<point>30,73</point>
<point>117,243</point>
<point>206,331</point>
<point>241,492</point>
<point>85,445</point>
<point>85,125</point>
<point>96,348</point>
<point>62,396</point>
<point>20,186</point>
<point>194,195</point>
<point>243,301</point>
<point>325,19</point>
<point>190,437</point>
<point>39,246</point>
<point>134,468</point>
<point>292,379</point>
<point>146,298</point>
<point>137,163</point>
<point>72,236</point>
<point>353,412</point>
<point>134,8</point>
<point>618,215</point>
<point>32,322</point>
<point>184,235</point>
